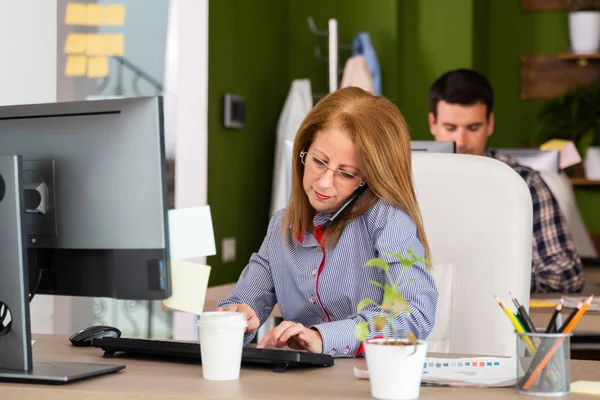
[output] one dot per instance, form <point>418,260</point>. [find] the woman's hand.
<point>294,335</point>
<point>251,317</point>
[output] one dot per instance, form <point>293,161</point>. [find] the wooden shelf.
<point>548,76</point>
<point>572,56</point>
<point>584,182</point>
<point>544,5</point>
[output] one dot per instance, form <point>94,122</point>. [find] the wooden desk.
<point>144,379</point>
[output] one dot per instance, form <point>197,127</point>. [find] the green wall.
<point>247,55</point>
<point>256,48</point>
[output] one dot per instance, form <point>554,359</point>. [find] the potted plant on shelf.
<point>575,116</point>
<point>584,26</point>
<point>395,362</point>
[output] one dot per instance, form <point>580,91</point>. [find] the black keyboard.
<point>280,360</point>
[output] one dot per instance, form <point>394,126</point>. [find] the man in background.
<point>461,110</point>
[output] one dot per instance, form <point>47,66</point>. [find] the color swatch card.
<point>471,372</point>
<point>464,372</point>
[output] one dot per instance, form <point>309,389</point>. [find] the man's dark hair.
<point>461,86</point>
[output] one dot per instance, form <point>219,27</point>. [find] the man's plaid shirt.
<point>556,266</point>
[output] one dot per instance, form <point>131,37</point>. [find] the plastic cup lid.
<point>226,319</point>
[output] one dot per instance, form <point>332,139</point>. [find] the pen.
<point>552,325</point>
<point>527,322</point>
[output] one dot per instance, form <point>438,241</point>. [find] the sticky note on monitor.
<point>97,67</point>
<point>114,15</point>
<point>75,66</point>
<point>75,43</point>
<point>189,281</point>
<point>76,14</point>
<point>95,14</point>
<point>112,44</point>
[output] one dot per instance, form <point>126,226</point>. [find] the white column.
<point>28,75</point>
<point>28,49</point>
<point>186,113</point>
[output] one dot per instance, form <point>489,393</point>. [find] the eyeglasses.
<point>320,167</point>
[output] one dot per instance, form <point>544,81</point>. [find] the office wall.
<point>378,18</point>
<point>248,44</point>
<point>28,48</point>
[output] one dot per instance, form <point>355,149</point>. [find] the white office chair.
<point>477,214</point>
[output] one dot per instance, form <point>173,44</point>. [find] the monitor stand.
<point>16,364</point>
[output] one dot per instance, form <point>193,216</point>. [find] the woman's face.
<point>328,190</point>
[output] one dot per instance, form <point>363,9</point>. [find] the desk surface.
<point>144,379</point>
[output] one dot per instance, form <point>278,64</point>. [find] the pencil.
<point>551,328</point>
<point>517,325</point>
<point>570,317</point>
<point>527,322</point>
<point>568,329</point>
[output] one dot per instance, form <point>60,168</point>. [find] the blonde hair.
<point>382,140</point>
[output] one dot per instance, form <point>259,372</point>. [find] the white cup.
<point>221,343</point>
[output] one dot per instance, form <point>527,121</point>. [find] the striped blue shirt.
<point>321,288</point>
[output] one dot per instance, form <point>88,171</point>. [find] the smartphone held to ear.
<point>350,200</point>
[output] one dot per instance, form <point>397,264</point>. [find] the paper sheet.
<point>191,233</point>
<point>189,282</point>
<point>585,387</point>
<point>191,236</point>
<point>464,372</point>
<point>568,154</point>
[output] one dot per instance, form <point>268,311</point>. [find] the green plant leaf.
<point>362,330</point>
<point>379,322</point>
<point>378,263</point>
<point>363,303</point>
<point>407,262</point>
<point>388,297</point>
<point>398,304</point>
<point>379,285</point>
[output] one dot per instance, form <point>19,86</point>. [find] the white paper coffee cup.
<point>221,343</point>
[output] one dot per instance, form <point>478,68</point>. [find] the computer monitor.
<point>539,160</point>
<point>84,213</point>
<point>433,146</point>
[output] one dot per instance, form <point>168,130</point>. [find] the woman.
<point>349,141</point>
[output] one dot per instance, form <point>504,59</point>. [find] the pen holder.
<point>544,364</point>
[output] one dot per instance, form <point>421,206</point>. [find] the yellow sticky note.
<point>189,282</point>
<point>586,387</point>
<point>97,67</point>
<point>538,303</point>
<point>114,15</point>
<point>75,66</point>
<point>76,14</point>
<point>95,14</point>
<point>75,43</point>
<point>112,44</point>
<point>554,144</point>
